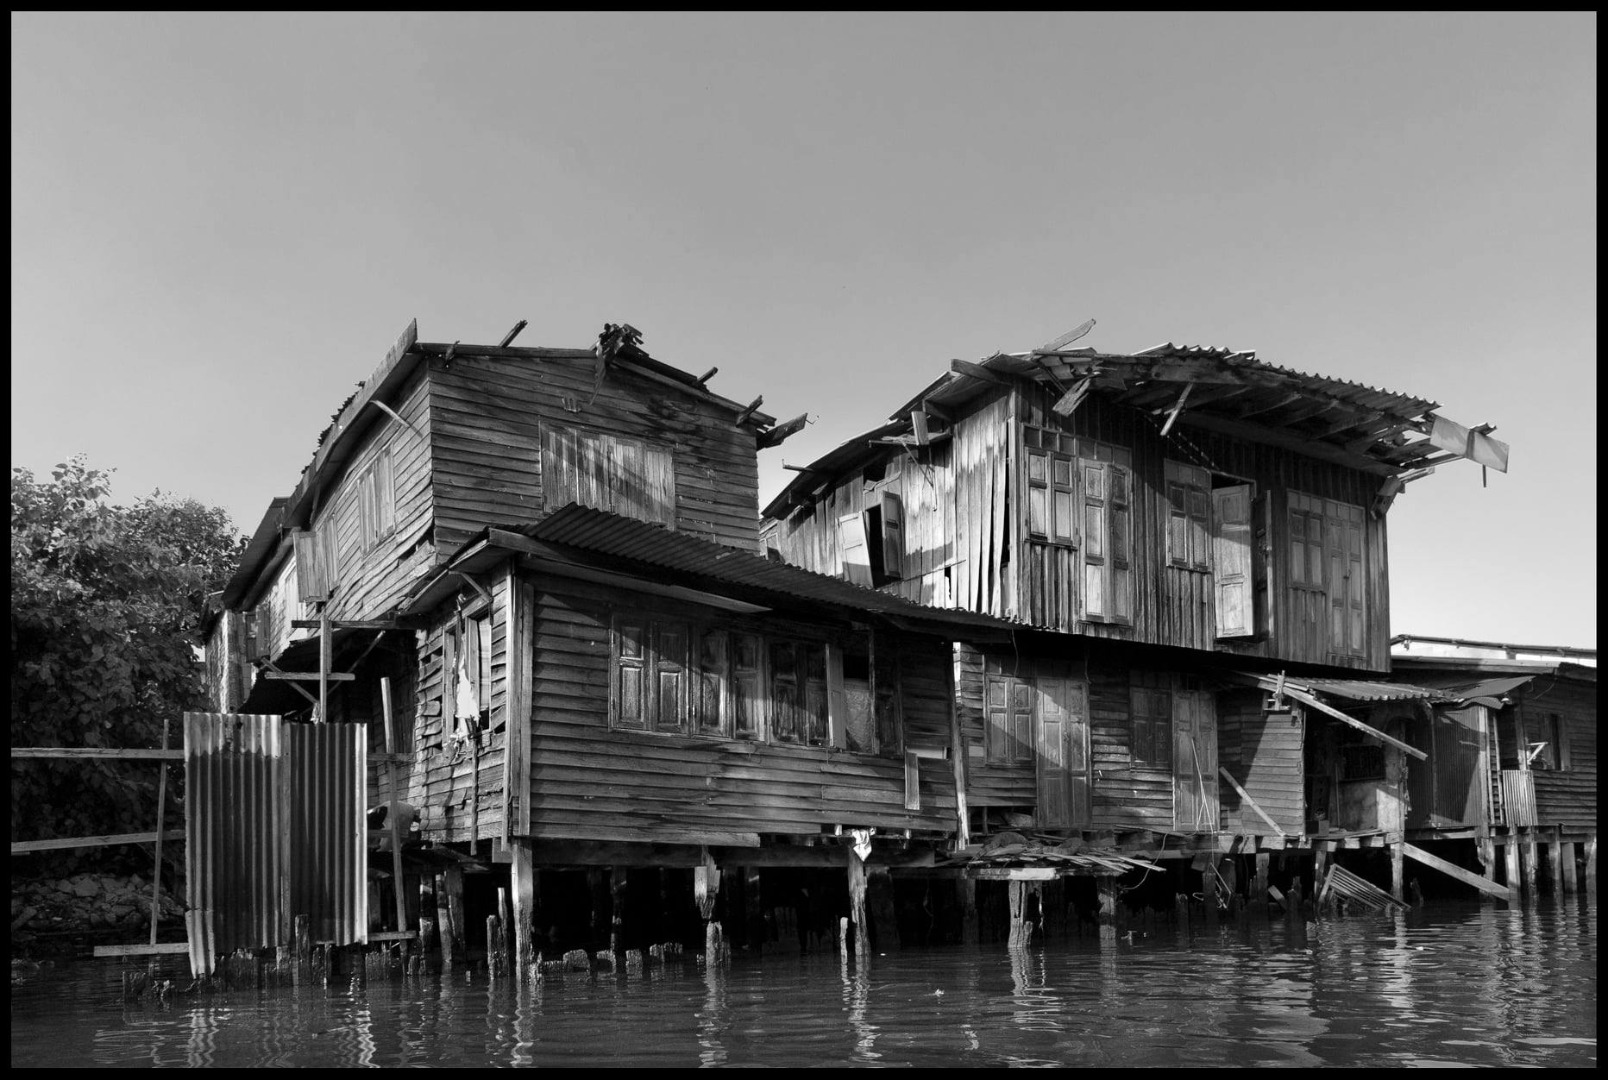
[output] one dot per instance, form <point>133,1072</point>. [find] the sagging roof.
<point>595,540</point>
<point>1490,691</point>
<point>617,346</point>
<point>1422,646</point>
<point>1378,431</point>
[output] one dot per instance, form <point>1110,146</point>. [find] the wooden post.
<point>396,800</point>
<point>522,873</point>
<point>754,930</point>
<point>1017,892</point>
<point>1591,865</point>
<point>857,916</point>
<point>1566,859</point>
<point>1108,909</point>
<point>966,895</point>
<point>1486,850</point>
<point>705,891</point>
<point>1510,857</point>
<point>597,883</point>
<point>453,948</point>
<point>1208,891</point>
<point>1181,912</point>
<point>880,906</point>
<point>496,953</point>
<point>617,883</point>
<point>1555,859</point>
<point>1396,840</point>
<point>1292,899</point>
<point>1320,860</point>
<point>161,814</point>
<point>1259,882</point>
<point>1530,857</point>
<point>302,941</point>
<point>427,913</point>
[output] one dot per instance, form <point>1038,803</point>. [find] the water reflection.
<point>1471,986</point>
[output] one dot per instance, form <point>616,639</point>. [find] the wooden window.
<point>884,533</point>
<point>1326,555</point>
<point>1551,744</point>
<point>650,684</point>
<point>748,698</point>
<point>1189,526</point>
<point>1008,709</point>
<point>1051,500</point>
<point>608,472</point>
<point>854,552</point>
<point>711,707</point>
<point>376,502</point>
<point>468,660</point>
<point>1152,710</point>
<point>1106,551</point>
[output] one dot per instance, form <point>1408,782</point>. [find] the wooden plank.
<point>165,948</point>
<point>23,846</point>
<point>977,371</point>
<point>114,753</point>
<point>1452,870</point>
<point>1013,873</point>
<point>310,676</point>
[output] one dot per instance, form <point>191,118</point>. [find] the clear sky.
<point>221,222</point>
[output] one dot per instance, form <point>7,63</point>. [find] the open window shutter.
<point>996,711</point>
<point>630,698</point>
<point>748,687</point>
<point>1177,524</point>
<point>1063,501</point>
<point>1231,551</point>
<point>892,535</point>
<point>855,554</point>
<point>1119,538</point>
<point>469,671</point>
<point>1095,547</point>
<point>670,677</point>
<point>1200,529</point>
<point>1038,493</point>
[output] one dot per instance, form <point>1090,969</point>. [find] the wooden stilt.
<point>1017,891</point>
<point>522,873</point>
<point>1208,891</point>
<point>1528,859</point>
<point>1555,860</point>
<point>1486,850</point>
<point>1591,865</point>
<point>1396,856</point>
<point>1259,882</point>
<point>302,941</point>
<point>597,882</point>
<point>857,912</point>
<point>880,906</point>
<point>1107,887</point>
<point>1566,860</point>
<point>617,886</point>
<point>1181,912</point>
<point>495,953</point>
<point>427,914</point>
<point>1292,900</point>
<point>1510,857</point>
<point>705,892</point>
<point>755,931</point>
<point>453,949</point>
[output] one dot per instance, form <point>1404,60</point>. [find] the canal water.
<point>1442,985</point>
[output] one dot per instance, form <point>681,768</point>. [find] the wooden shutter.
<point>815,695</point>
<point>1054,802</point>
<point>311,584</point>
<point>1231,561</point>
<point>892,535</point>
<point>630,675</point>
<point>1063,500</point>
<point>710,706</point>
<point>855,554</point>
<point>1120,540</point>
<point>669,703</point>
<point>1096,545</point>
<point>748,687</point>
<point>385,489</point>
<point>785,698</point>
<point>1195,801</point>
<point>1038,493</point>
<point>1008,705</point>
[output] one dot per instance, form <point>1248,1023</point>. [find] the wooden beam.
<point>512,334</point>
<point>781,432</point>
<point>394,415</point>
<point>749,410</point>
<point>21,847</point>
<point>1013,873</point>
<point>1245,797</point>
<point>932,437</point>
<point>1300,444</point>
<point>1067,338</point>
<point>977,371</point>
<point>1178,406</point>
<point>1308,699</point>
<point>348,624</point>
<point>310,676</point>
<point>164,948</point>
<point>103,752</point>
<point>918,427</point>
<point>937,411</point>
<point>706,376</point>
<point>1452,870</point>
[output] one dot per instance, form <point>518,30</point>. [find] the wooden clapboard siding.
<point>1263,752</point>
<point>1568,796</point>
<point>489,415</point>
<point>591,781</point>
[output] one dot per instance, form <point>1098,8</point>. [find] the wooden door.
<point>1061,728</point>
<point>1195,801</point>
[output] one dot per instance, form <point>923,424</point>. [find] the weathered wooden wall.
<point>1263,752</point>
<point>488,416</point>
<point>592,782</point>
<point>1567,796</point>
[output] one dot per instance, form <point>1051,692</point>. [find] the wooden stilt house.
<point>1192,544</point>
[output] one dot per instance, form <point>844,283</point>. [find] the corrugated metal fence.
<point>275,824</point>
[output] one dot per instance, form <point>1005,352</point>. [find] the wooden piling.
<point>1485,848</point>
<point>1555,860</point>
<point>755,933</point>
<point>302,942</point>
<point>1529,858</point>
<point>1020,930</point>
<point>1591,865</point>
<point>1396,866</point>
<point>1107,887</point>
<point>966,895</point>
<point>857,913</point>
<point>1510,858</point>
<point>427,914</point>
<point>1260,882</point>
<point>1566,857</point>
<point>496,952</point>
<point>522,875</point>
<point>880,907</point>
<point>449,909</point>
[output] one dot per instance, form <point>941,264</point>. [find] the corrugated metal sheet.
<point>1491,690</point>
<point>1518,797</point>
<point>1359,690</point>
<point>328,829</point>
<point>275,826</point>
<point>738,574</point>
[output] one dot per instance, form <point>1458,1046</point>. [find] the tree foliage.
<point>106,606</point>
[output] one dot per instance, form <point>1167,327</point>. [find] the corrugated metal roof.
<point>1489,688</point>
<point>738,574</point>
<point>1359,690</point>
